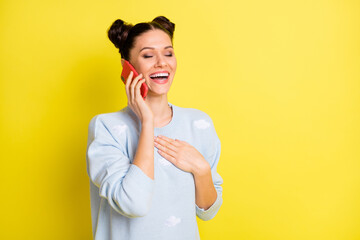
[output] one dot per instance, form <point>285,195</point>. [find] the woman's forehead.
<point>153,39</point>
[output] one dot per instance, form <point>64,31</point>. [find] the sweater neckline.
<point>163,128</point>
<point>169,124</point>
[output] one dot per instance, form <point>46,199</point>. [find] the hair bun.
<point>123,35</point>
<point>118,33</point>
<point>165,23</point>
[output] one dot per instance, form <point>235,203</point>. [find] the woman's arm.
<point>126,187</point>
<point>205,192</point>
<point>187,158</point>
<point>144,157</point>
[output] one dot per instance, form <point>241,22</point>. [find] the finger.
<point>166,149</point>
<point>132,86</point>
<point>128,80</point>
<point>166,143</point>
<point>138,87</point>
<point>131,89</point>
<point>127,84</point>
<point>169,140</point>
<point>136,80</point>
<point>167,157</point>
<point>181,142</point>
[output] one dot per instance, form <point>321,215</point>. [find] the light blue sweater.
<point>128,205</point>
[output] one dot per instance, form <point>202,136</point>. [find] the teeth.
<point>160,75</point>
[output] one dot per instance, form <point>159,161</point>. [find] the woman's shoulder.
<point>123,117</point>
<point>105,115</point>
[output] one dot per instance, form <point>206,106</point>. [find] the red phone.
<point>127,68</point>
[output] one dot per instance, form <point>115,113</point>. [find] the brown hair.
<point>123,35</point>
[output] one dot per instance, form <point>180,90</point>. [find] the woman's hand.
<point>135,100</point>
<point>188,159</point>
<point>182,155</point>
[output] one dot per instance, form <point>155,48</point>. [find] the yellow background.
<point>280,79</point>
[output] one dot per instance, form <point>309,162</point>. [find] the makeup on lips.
<point>160,77</point>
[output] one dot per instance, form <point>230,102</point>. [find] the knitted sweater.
<point>128,205</point>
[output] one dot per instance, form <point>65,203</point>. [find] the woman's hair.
<point>123,35</point>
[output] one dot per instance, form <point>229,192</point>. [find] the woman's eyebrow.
<point>154,48</point>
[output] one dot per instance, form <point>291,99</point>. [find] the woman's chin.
<point>157,93</point>
<point>157,89</point>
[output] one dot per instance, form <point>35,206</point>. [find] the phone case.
<point>127,68</point>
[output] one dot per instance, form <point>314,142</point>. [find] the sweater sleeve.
<point>126,187</point>
<point>217,180</point>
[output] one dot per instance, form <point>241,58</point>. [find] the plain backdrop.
<point>280,79</point>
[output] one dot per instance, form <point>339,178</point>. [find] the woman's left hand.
<point>182,155</point>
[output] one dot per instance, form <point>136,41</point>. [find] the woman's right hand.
<point>136,101</point>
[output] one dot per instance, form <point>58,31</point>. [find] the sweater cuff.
<point>210,212</point>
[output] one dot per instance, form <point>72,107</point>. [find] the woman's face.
<point>154,57</point>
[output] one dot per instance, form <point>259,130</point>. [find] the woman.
<point>152,165</point>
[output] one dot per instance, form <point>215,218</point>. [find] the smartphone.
<point>127,68</point>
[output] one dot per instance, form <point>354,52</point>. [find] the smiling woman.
<point>152,165</point>
<point>154,57</point>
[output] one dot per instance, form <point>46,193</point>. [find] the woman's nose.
<point>160,62</point>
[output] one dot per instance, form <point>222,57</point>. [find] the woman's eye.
<point>169,55</point>
<point>147,56</point>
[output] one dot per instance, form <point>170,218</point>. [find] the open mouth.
<point>161,77</point>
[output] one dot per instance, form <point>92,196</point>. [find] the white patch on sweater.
<point>163,161</point>
<point>119,129</point>
<point>201,124</point>
<point>172,221</point>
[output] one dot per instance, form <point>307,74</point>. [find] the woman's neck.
<point>160,108</point>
